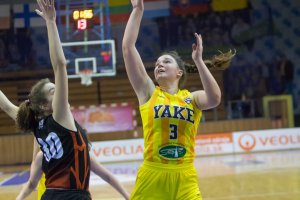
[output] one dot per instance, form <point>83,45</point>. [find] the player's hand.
<point>137,4</point>
<point>47,10</point>
<point>197,48</point>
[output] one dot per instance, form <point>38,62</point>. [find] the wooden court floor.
<point>259,176</point>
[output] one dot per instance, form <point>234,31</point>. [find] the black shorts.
<point>57,194</point>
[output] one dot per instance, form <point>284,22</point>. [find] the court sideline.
<point>257,176</point>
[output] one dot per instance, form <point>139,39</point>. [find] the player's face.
<point>49,89</point>
<point>166,68</point>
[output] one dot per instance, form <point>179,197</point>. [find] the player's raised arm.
<point>7,106</point>
<point>138,77</point>
<point>60,103</point>
<point>210,97</point>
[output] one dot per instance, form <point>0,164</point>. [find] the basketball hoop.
<point>86,77</point>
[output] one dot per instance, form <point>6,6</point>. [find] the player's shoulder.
<point>184,92</point>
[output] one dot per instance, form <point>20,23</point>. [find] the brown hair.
<point>30,109</point>
<point>219,62</point>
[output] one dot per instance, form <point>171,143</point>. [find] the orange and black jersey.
<point>66,161</point>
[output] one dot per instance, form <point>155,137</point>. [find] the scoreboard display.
<point>83,19</point>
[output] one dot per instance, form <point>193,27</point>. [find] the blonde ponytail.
<point>217,62</point>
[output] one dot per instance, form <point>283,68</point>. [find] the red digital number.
<point>81,24</point>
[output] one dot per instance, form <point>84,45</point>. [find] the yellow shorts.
<point>157,181</point>
<point>41,186</point>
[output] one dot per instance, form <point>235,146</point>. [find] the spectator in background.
<point>3,55</point>
<point>190,27</point>
<point>226,24</point>
<point>287,74</point>
<point>275,85</point>
<point>163,31</point>
<point>12,48</point>
<point>173,22</point>
<point>261,87</point>
<point>24,44</point>
<point>238,30</point>
<point>182,27</point>
<point>240,33</point>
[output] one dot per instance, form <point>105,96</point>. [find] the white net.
<point>86,77</point>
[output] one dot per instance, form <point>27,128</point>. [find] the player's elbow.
<point>215,100</point>
<point>32,183</point>
<point>127,47</point>
<point>58,60</point>
<point>61,63</point>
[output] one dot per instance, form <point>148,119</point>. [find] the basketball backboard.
<point>97,56</point>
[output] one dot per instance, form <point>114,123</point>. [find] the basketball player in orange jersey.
<point>11,110</point>
<point>170,116</point>
<point>63,142</point>
<point>35,170</point>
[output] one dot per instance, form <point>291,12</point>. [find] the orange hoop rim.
<point>86,71</point>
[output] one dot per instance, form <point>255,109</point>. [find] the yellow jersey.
<point>170,124</point>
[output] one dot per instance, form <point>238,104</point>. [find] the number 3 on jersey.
<point>173,131</point>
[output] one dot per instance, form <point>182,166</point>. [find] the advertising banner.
<point>118,150</point>
<point>106,118</point>
<point>207,144</point>
<point>210,144</point>
<point>264,140</point>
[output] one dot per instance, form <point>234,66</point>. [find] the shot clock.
<point>84,19</point>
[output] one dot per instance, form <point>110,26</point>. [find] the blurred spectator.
<point>3,55</point>
<point>238,31</point>
<point>275,86</point>
<point>24,44</point>
<point>261,87</point>
<point>287,74</point>
<point>163,31</point>
<point>190,27</point>
<point>173,30</point>
<point>182,27</point>
<point>13,51</point>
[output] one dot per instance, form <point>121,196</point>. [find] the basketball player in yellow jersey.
<point>41,188</point>
<point>170,116</point>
